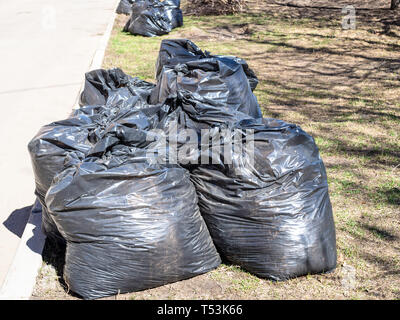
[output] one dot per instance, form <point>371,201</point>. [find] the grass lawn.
<point>342,87</point>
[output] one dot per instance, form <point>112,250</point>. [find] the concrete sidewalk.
<point>46,46</point>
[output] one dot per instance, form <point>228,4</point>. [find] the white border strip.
<point>21,277</point>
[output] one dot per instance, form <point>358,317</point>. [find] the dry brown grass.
<point>214,7</point>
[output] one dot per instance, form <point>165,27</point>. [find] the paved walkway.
<point>46,46</point>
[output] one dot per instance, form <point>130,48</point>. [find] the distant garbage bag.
<point>152,18</point>
<point>173,12</point>
<point>180,51</point>
<point>271,216</point>
<point>220,83</point>
<point>125,7</point>
<point>130,225</point>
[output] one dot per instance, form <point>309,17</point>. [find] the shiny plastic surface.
<point>125,7</point>
<point>152,18</point>
<point>273,217</point>
<point>180,51</point>
<point>129,225</point>
<point>112,94</point>
<point>110,86</point>
<point>212,84</point>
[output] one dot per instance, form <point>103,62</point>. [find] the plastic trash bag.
<point>58,143</point>
<point>272,216</point>
<point>173,12</point>
<point>49,150</point>
<point>111,86</point>
<point>115,96</point>
<point>180,51</point>
<point>125,7</point>
<point>219,83</point>
<point>152,18</point>
<point>130,225</point>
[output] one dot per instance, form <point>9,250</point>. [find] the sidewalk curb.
<point>98,56</point>
<point>21,277</point>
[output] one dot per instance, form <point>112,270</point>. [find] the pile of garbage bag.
<point>139,205</point>
<point>152,18</point>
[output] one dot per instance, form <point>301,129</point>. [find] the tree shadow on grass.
<point>375,13</point>
<point>392,196</point>
<point>379,232</point>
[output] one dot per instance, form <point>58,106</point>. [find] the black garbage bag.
<point>125,7</point>
<point>180,51</point>
<point>250,74</point>
<point>173,12</point>
<point>49,150</point>
<point>271,216</point>
<point>192,112</point>
<point>112,86</point>
<point>130,224</point>
<point>116,97</point>
<point>152,18</point>
<point>218,82</point>
<point>56,144</point>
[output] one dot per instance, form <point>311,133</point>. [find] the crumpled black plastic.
<point>152,18</point>
<point>49,150</point>
<point>125,7</point>
<point>113,85</point>
<point>273,217</point>
<point>129,225</point>
<point>215,85</point>
<point>179,51</point>
<point>113,95</point>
